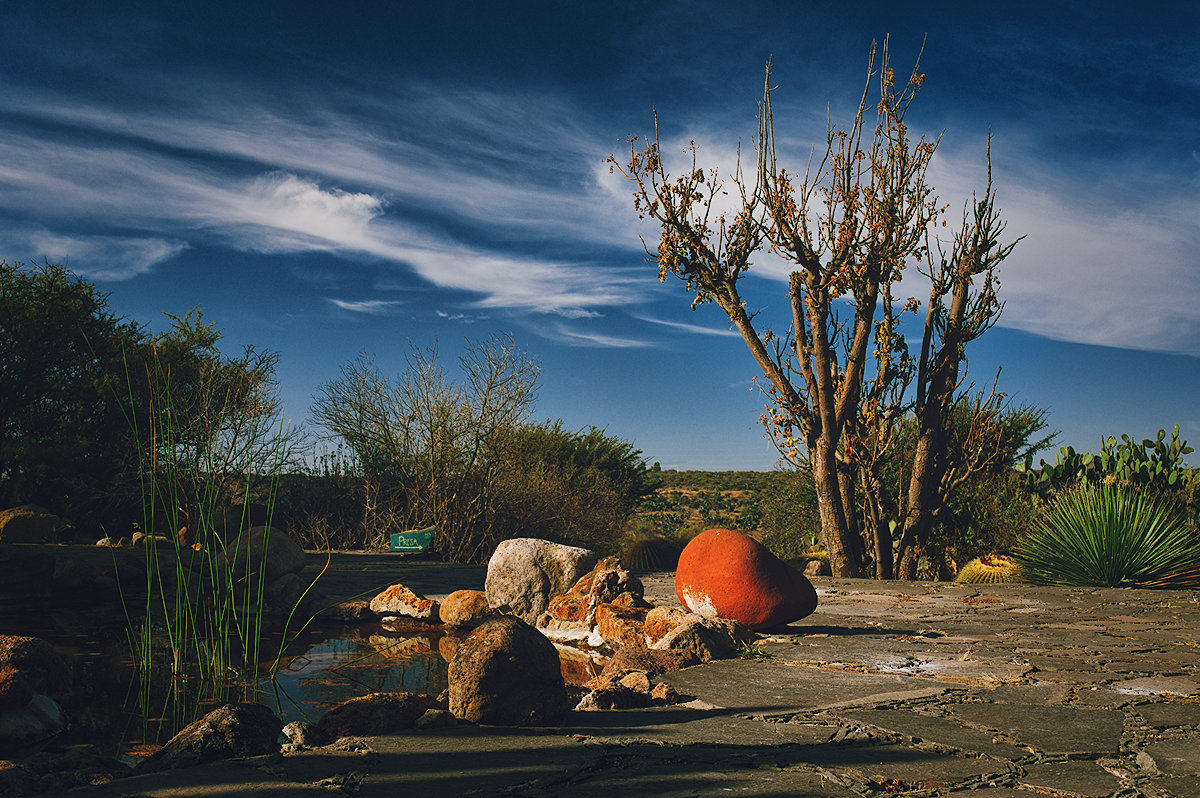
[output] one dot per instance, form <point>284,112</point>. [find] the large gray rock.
<point>506,673</point>
<point>234,730</point>
<point>262,548</point>
<point>524,573</point>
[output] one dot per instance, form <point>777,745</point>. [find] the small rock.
<point>636,681</point>
<point>40,719</point>
<point>303,734</point>
<point>606,583</point>
<point>349,611</point>
<point>507,673</point>
<point>661,620</point>
<point>663,693</point>
<point>708,638</point>
<point>234,730</point>
<point>435,719</point>
<point>650,661</point>
<point>817,568</point>
<point>398,600</point>
<point>465,608</point>
<point>374,714</point>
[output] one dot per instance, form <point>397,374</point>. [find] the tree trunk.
<point>843,543</point>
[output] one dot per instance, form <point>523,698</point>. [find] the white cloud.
<point>111,258</point>
<point>691,328</point>
<point>567,335</point>
<point>365,305</point>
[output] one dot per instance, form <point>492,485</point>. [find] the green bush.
<point>1110,536</point>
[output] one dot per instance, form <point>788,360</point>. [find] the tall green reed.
<point>199,612</point>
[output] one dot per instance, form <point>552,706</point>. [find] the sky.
<point>325,180</point>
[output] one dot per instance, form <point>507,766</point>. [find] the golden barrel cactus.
<point>989,569</point>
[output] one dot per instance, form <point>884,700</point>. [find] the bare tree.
<point>838,375</point>
<point>425,441</point>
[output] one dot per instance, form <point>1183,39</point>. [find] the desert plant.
<point>1110,536</point>
<point>1156,464</point>
<point>652,553</point>
<point>989,569</point>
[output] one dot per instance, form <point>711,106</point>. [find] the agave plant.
<point>1110,536</point>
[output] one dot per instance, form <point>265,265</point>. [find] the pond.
<point>324,666</point>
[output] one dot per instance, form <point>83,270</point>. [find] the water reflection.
<point>353,661</point>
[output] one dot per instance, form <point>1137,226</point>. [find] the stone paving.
<point>894,688</point>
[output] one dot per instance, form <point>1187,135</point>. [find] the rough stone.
<point>620,626</point>
<point>1051,730</point>
<point>262,549</point>
<point>374,714</point>
<point>29,523</point>
<point>465,608</point>
<point>708,638</point>
<point>285,593</point>
<point>727,574</point>
<point>661,620</point>
<point>649,661</point>
<point>39,666</point>
<point>40,719</point>
<point>607,583</point>
<point>349,611</point>
<point>1175,757</point>
<point>234,730</point>
<point>15,689</point>
<point>398,600</point>
<point>1085,779</point>
<point>524,573</point>
<point>507,673</point>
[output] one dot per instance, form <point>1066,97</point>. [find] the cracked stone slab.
<point>1051,730</point>
<point>769,688</point>
<point>677,727</point>
<point>676,773</point>
<point>1084,779</point>
<point>1175,757</point>
<point>1165,715</point>
<point>1160,685</point>
<point>909,768</point>
<point>933,729</point>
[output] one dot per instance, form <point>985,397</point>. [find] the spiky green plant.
<point>1110,536</point>
<point>990,569</point>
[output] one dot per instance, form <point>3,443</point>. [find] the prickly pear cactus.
<point>1154,463</point>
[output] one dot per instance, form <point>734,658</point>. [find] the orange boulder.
<point>728,574</point>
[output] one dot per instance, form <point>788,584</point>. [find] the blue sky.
<point>327,179</point>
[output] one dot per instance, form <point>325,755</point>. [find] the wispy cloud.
<point>372,306</point>
<point>457,211</point>
<point>698,329</point>
<point>573,337</point>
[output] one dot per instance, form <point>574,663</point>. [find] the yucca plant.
<point>1110,536</point>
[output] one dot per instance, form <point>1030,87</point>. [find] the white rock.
<point>524,573</point>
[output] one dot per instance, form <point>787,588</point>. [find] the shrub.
<point>1110,536</point>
